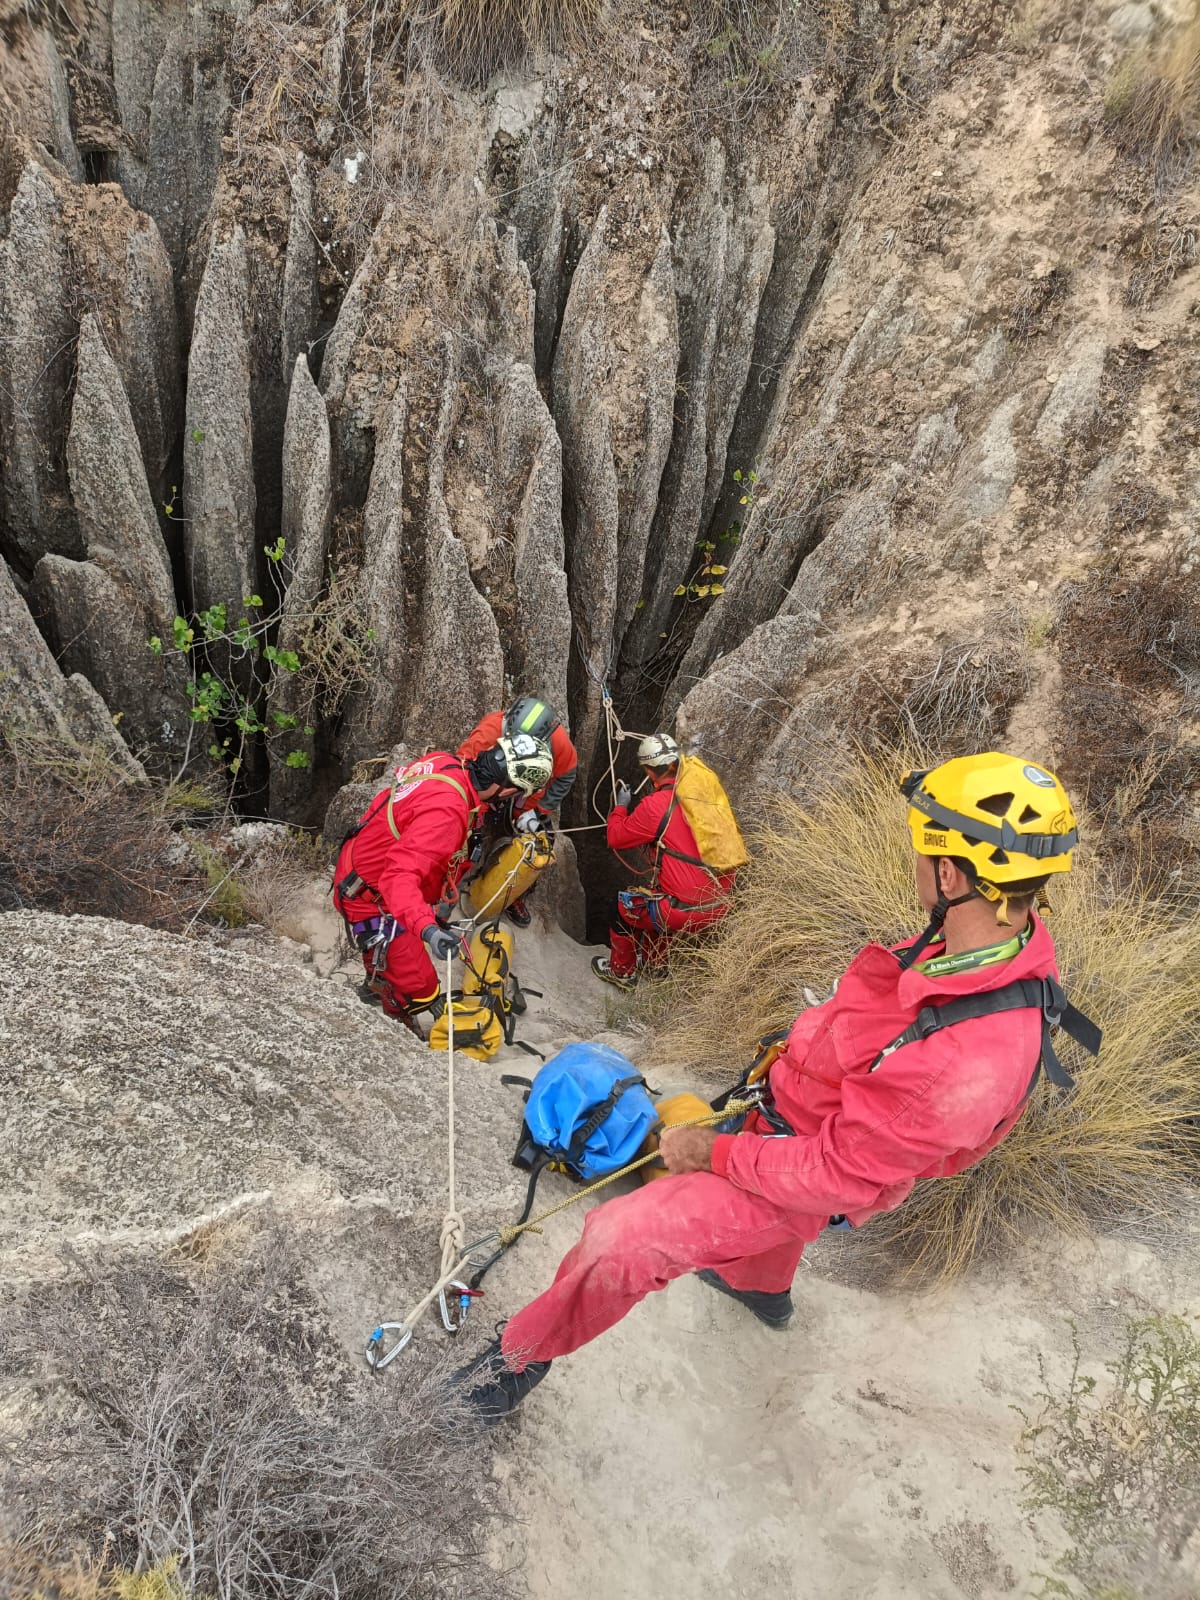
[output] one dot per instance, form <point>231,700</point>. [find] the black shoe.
<point>495,1392</point>
<point>367,994</point>
<point>773,1310</point>
<point>520,913</point>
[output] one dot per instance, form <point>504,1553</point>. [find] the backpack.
<point>587,1113</point>
<point>490,1001</point>
<point>701,797</point>
<point>512,874</point>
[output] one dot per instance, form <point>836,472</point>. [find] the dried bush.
<point>204,1415</point>
<point>77,836</point>
<point>276,883</point>
<point>826,878</point>
<point>475,38</point>
<point>1120,1464</point>
<point>1126,708</point>
<point>1153,101</point>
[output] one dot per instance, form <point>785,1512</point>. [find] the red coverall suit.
<point>862,1140</point>
<point>687,896</point>
<point>487,732</point>
<point>406,875</point>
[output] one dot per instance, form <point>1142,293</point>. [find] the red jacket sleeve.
<point>897,1124</point>
<point>482,737</point>
<point>627,828</point>
<point>430,838</point>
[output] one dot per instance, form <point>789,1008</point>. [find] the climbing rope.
<point>452,1266</point>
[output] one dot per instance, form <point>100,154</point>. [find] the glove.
<point>624,795</point>
<point>440,942</point>
<point>530,822</point>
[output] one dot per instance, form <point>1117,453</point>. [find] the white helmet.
<point>657,751</point>
<point>529,762</point>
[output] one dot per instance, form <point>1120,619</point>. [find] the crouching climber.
<point>528,813</point>
<point>407,851</point>
<point>921,1061</point>
<point>690,880</point>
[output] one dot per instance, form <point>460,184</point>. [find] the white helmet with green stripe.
<point>535,717</point>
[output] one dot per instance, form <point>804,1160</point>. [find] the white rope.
<point>453,1226</point>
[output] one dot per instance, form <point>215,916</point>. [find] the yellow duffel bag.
<point>671,1112</point>
<point>511,874</point>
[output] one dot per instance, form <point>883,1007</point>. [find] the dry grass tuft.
<point>475,38</point>
<point>212,1430</point>
<point>76,836</point>
<point>829,876</point>
<point>1153,101</point>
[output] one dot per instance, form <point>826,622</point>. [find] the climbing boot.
<point>520,913</point>
<point>602,967</point>
<point>773,1310</point>
<point>495,1391</point>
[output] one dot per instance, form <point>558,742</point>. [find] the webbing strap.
<point>679,855</point>
<point>1043,994</point>
<point>438,777</point>
<point>1041,846</point>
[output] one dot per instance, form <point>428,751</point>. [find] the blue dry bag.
<point>588,1113</point>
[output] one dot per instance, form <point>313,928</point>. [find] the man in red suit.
<point>683,894</point>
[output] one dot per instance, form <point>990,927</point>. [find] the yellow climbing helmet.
<point>1011,819</point>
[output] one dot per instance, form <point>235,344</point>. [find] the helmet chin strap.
<point>936,917</point>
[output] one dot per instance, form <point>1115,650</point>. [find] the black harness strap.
<point>679,855</point>
<point>1041,994</point>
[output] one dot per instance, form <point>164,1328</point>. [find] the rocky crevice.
<point>492,390</point>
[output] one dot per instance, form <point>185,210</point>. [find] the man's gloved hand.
<point>624,795</point>
<point>530,822</point>
<point>440,942</point>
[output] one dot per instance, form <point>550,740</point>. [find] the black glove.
<point>624,795</point>
<point>440,942</point>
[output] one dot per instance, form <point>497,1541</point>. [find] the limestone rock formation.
<point>304,527</point>
<point>37,332</point>
<point>234,1082</point>
<point>36,698</point>
<point>218,463</point>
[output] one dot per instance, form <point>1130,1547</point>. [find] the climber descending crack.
<point>688,829</point>
<point>409,852</point>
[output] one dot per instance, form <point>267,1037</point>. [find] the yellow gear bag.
<point>671,1112</point>
<point>511,874</point>
<point>478,1031</point>
<point>490,966</point>
<point>706,806</point>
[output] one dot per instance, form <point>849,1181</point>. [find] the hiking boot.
<point>520,913</point>
<point>602,967</point>
<point>368,995</point>
<point>495,1392</point>
<point>773,1310</point>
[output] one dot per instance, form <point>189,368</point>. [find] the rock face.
<point>35,697</point>
<point>218,458</point>
<point>607,385</point>
<point>235,1082</point>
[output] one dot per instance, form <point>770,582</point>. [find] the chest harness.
<point>659,849</point>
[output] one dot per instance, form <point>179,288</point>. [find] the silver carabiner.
<point>376,1358</point>
<point>450,1324</point>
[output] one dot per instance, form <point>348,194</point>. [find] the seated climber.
<point>528,813</point>
<point>684,893</point>
<point>862,1102</point>
<point>396,864</point>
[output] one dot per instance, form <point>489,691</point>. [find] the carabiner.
<point>465,1296</point>
<point>376,1359</point>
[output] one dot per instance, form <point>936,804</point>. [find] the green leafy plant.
<point>1119,1462</point>
<point>226,686</point>
<point>707,579</point>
